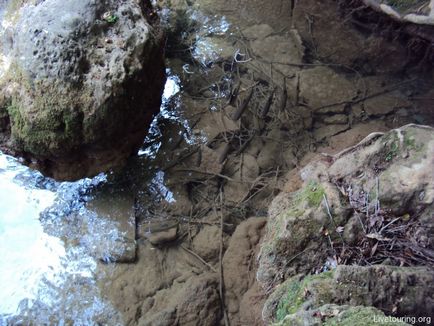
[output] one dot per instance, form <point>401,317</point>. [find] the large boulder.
<point>79,82</point>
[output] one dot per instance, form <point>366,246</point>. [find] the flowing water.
<point>54,235</point>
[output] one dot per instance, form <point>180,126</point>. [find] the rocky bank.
<point>357,233</point>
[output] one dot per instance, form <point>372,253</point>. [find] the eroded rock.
<point>358,287</point>
<point>80,83</point>
<point>239,264</point>
<point>351,199</point>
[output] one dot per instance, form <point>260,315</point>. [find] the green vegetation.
<point>110,18</point>
<point>56,125</point>
<point>296,293</point>
<point>313,194</point>
<point>391,145</point>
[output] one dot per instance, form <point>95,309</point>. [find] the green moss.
<point>392,147</point>
<point>48,124</point>
<point>111,19</point>
<point>410,142</point>
<point>296,293</point>
<point>313,194</point>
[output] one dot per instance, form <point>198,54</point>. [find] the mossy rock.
<point>406,290</point>
<point>297,238</point>
<point>296,292</point>
<point>335,315</point>
<point>78,105</point>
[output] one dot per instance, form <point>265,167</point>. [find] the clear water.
<point>53,241</point>
<point>45,278</point>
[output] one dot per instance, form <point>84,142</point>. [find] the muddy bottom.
<point>247,103</point>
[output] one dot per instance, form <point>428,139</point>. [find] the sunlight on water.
<point>27,252</point>
<point>47,268</point>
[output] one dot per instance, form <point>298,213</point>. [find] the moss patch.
<point>48,124</point>
<point>298,292</point>
<point>313,194</point>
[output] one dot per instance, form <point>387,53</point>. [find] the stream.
<point>77,253</point>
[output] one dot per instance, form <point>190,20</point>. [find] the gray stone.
<point>383,105</point>
<point>328,131</point>
<point>259,31</point>
<point>321,86</point>
<point>336,119</point>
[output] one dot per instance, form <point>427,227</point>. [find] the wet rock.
<point>209,50</point>
<point>159,232</point>
<point>401,162</point>
<point>274,152</point>
<point>321,86</point>
<point>280,51</point>
<point>218,122</point>
<point>274,13</point>
<point>259,31</point>
<point>239,269</point>
<point>210,160</point>
<point>117,208</point>
<point>296,225</point>
<point>207,242</point>
<point>199,303</point>
<point>80,83</point>
<point>394,171</point>
<point>339,315</point>
<point>329,130</point>
<point>163,286</point>
<point>306,115</point>
<point>354,135</point>
<point>246,172</point>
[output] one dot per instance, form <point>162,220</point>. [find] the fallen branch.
<point>198,257</point>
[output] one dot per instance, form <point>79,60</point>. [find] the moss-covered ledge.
<point>364,292</point>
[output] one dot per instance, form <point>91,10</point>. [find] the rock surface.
<point>80,82</point>
<point>300,298</point>
<point>352,199</point>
